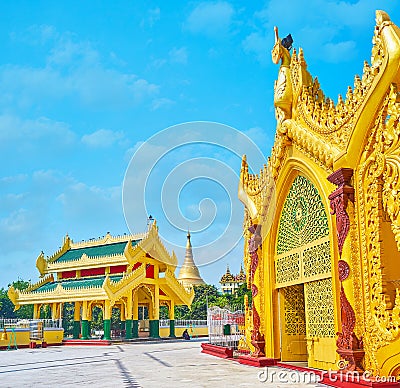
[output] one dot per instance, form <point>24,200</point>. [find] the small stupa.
<point>189,273</point>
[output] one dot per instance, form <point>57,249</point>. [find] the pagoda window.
<point>118,269</point>
<point>150,271</point>
<point>92,271</point>
<point>68,274</point>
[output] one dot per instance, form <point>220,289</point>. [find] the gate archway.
<point>303,273</point>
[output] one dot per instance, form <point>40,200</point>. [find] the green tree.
<point>241,292</point>
<point>203,294</point>
<point>209,294</point>
<point>7,307</point>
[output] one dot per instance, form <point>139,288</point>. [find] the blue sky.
<point>85,84</point>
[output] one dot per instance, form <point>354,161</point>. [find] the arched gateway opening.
<point>304,277</point>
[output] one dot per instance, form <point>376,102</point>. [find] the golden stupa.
<point>189,274</point>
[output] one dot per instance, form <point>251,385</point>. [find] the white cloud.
<point>91,207</point>
<point>131,151</point>
<point>211,18</point>
<point>324,41</point>
<point>335,52</point>
<point>260,137</point>
<point>16,223</point>
<point>102,138</point>
<point>161,103</point>
<point>258,44</point>
<point>158,63</point>
<point>35,34</point>
<point>37,220</point>
<point>153,16</point>
<point>14,129</point>
<point>13,179</point>
<point>178,55</point>
<point>73,69</point>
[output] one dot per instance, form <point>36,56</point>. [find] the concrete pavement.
<point>163,364</point>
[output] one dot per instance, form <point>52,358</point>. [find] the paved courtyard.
<point>163,364</point>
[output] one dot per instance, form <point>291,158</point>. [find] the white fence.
<point>225,327</point>
<point>27,323</point>
<point>184,322</point>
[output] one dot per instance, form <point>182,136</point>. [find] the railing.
<point>184,322</point>
<point>27,323</point>
<point>226,327</point>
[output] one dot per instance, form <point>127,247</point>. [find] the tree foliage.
<point>207,294</point>
<point>7,307</point>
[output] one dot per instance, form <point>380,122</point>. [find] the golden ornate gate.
<point>303,277</point>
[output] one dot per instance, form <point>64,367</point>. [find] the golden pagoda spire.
<point>189,273</point>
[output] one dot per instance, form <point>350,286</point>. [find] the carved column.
<point>349,347</point>
<point>339,200</point>
<point>257,339</point>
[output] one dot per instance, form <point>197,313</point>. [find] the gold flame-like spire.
<point>189,273</point>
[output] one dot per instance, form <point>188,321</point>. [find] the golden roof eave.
<point>59,294</point>
<point>152,245</point>
<point>50,264</point>
<point>107,239</point>
<point>182,293</point>
<point>85,262</point>
<point>115,289</point>
<point>388,36</point>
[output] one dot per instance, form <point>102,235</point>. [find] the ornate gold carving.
<point>283,86</point>
<point>153,246</point>
<point>295,320</point>
<point>107,239</point>
<point>388,155</point>
<point>317,260</point>
<point>65,247</point>
<point>129,281</point>
<point>288,268</point>
<point>378,186</point>
<point>303,218</point>
<point>256,192</point>
<point>13,295</point>
<point>334,135</point>
<point>333,123</point>
<point>186,294</point>
<point>320,309</point>
<point>47,279</point>
<point>303,245</point>
<point>41,264</point>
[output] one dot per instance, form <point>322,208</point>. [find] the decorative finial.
<point>150,221</point>
<point>276,34</point>
<point>287,42</point>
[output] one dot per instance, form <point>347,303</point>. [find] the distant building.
<point>113,272</point>
<point>189,273</point>
<point>230,283</point>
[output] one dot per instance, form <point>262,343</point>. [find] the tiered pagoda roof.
<point>104,268</point>
<point>227,277</point>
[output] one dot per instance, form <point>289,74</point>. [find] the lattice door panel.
<point>320,313</point>
<point>293,324</point>
<point>303,245</point>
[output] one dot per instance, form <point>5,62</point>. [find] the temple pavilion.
<point>230,283</point>
<point>125,272</point>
